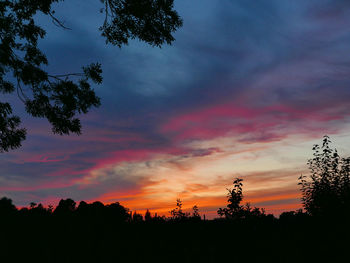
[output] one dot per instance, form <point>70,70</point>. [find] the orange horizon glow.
<point>155,180</point>
<point>196,171</point>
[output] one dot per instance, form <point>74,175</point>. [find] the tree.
<point>7,207</point>
<point>326,191</point>
<point>195,213</point>
<point>65,207</point>
<point>32,205</point>
<point>178,213</point>
<point>148,216</point>
<point>293,216</point>
<point>234,209</point>
<point>60,98</point>
<point>39,210</point>
<point>234,198</point>
<point>118,212</point>
<point>136,217</point>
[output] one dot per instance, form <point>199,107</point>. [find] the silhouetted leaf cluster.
<point>60,98</point>
<point>234,209</point>
<point>326,192</point>
<point>152,21</point>
<point>178,213</point>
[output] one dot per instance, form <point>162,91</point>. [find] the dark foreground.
<point>73,238</point>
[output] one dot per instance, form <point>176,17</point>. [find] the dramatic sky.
<point>245,91</point>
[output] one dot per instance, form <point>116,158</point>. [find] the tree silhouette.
<point>96,232</point>
<point>152,21</point>
<point>148,216</point>
<point>177,213</point>
<point>234,198</point>
<point>136,217</point>
<point>6,207</point>
<point>60,98</point>
<point>65,207</point>
<point>326,191</point>
<point>39,210</point>
<point>195,212</point>
<point>118,212</point>
<point>234,209</point>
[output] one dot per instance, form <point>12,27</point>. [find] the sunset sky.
<point>245,91</point>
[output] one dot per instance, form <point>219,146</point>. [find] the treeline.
<point>114,211</point>
<point>325,194</point>
<point>111,233</point>
<point>119,213</point>
<point>97,232</point>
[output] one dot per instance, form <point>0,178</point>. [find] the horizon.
<point>244,91</point>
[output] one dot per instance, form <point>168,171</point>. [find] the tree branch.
<point>57,22</point>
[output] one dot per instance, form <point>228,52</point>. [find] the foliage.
<point>91,234</point>
<point>177,213</point>
<point>10,135</point>
<point>148,215</point>
<point>195,212</point>
<point>61,98</point>
<point>152,21</point>
<point>293,216</point>
<point>234,209</point>
<point>6,206</point>
<point>234,198</point>
<point>65,207</point>
<point>137,217</point>
<point>326,191</point>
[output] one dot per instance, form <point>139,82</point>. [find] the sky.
<point>245,91</point>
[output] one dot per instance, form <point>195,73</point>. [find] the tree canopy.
<point>234,210</point>
<point>60,98</point>
<point>326,191</point>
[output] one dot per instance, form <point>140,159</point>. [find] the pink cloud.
<point>220,120</point>
<point>40,186</point>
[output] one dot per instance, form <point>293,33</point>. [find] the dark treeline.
<point>97,232</point>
